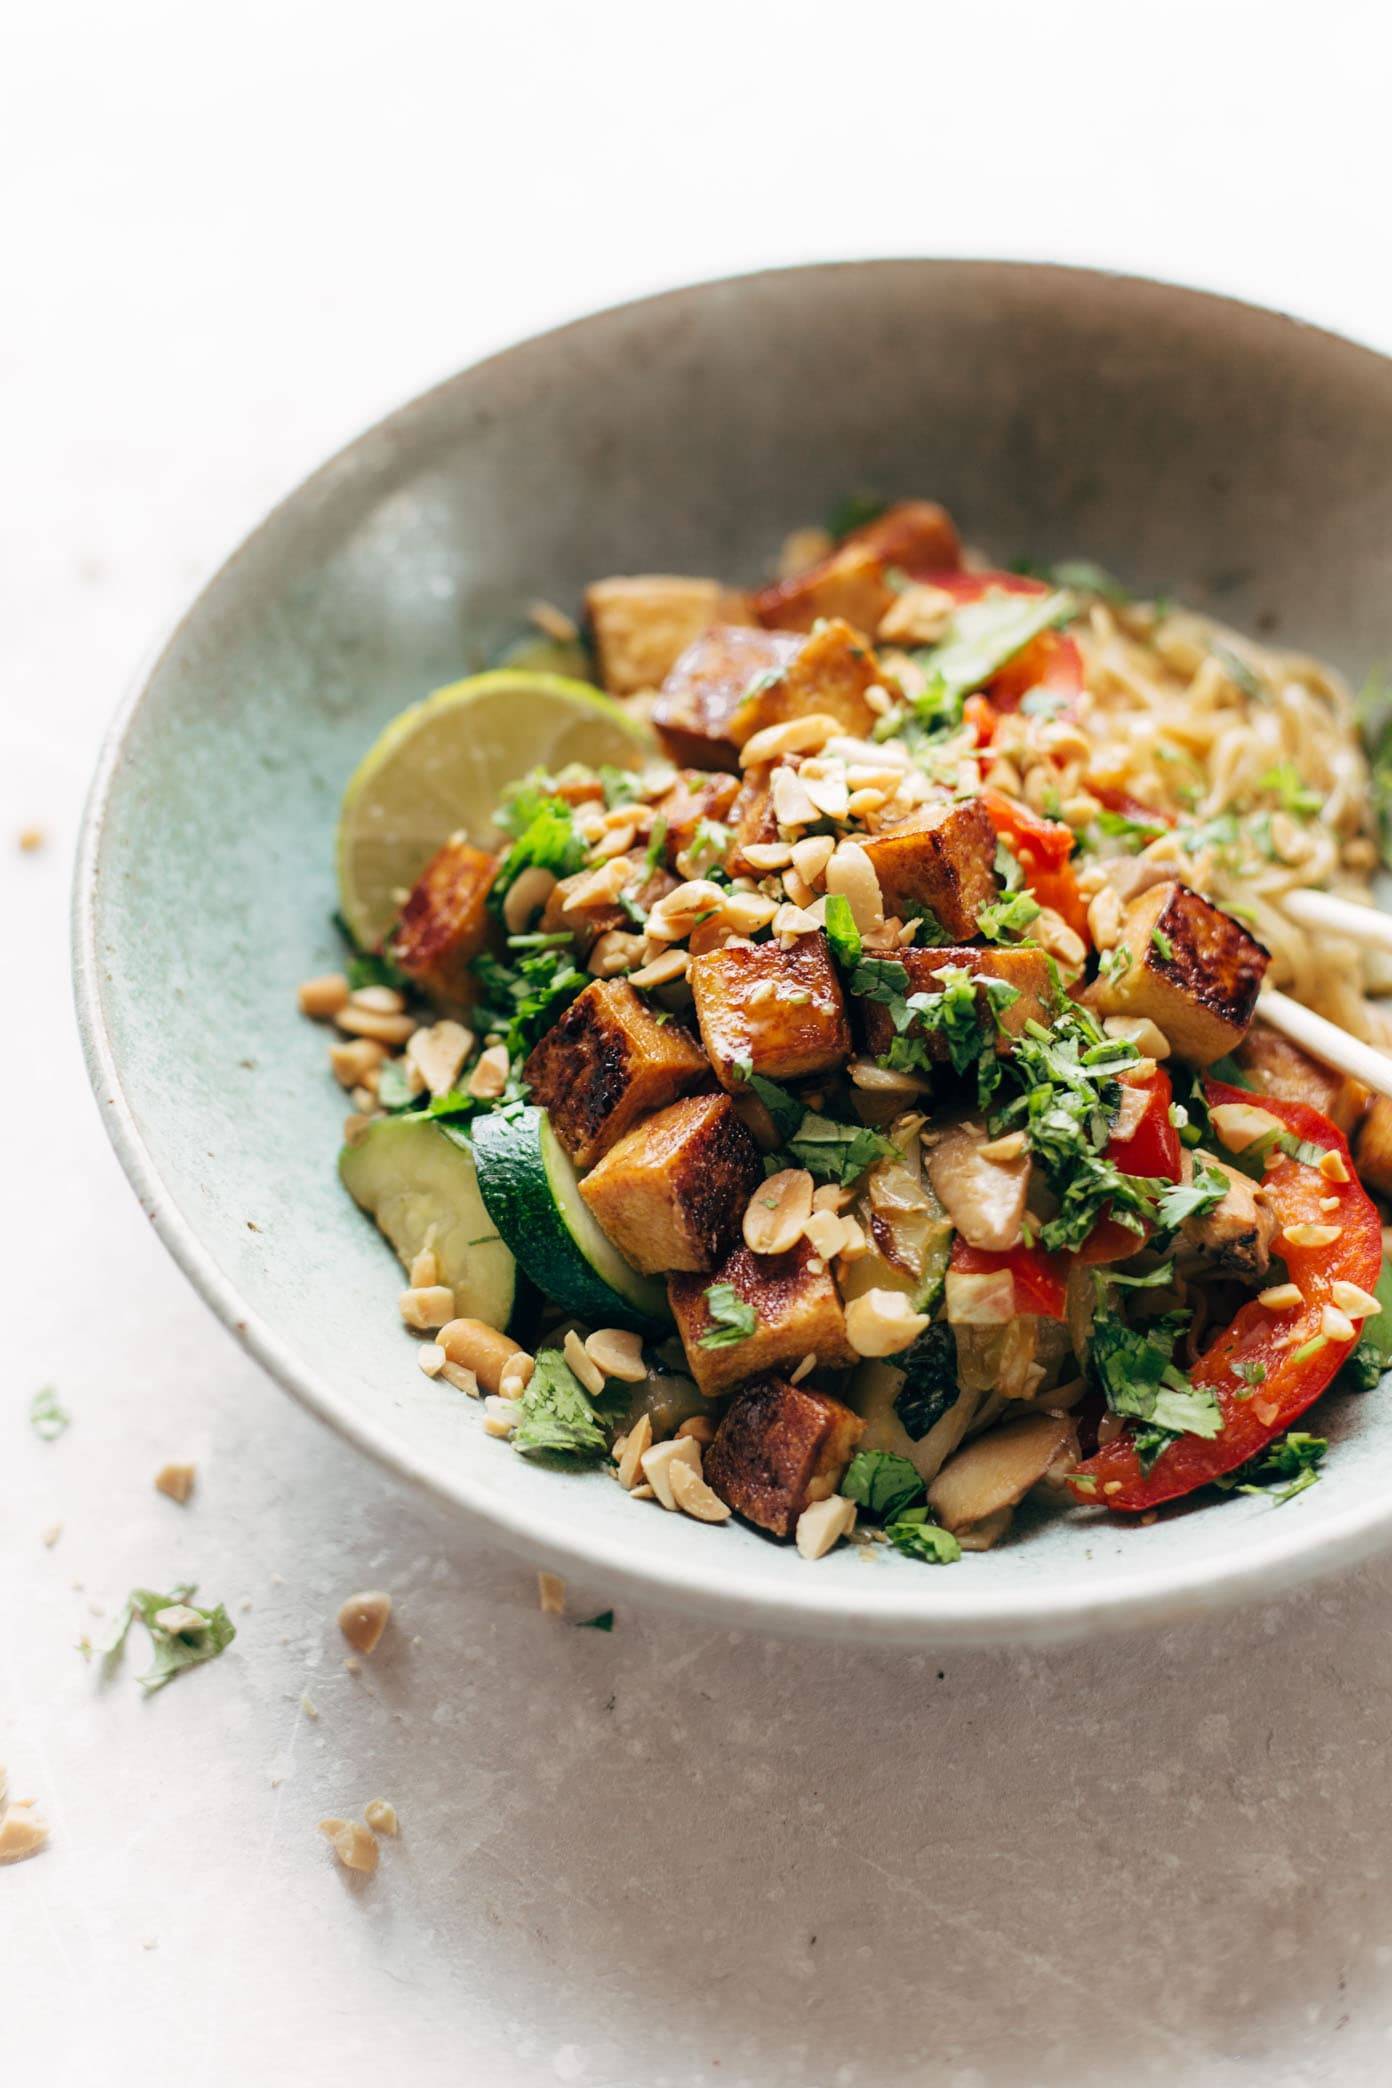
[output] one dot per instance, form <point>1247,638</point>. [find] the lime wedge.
<point>442,767</point>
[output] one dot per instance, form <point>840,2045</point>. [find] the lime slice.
<point>442,767</point>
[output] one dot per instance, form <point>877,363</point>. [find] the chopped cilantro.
<point>917,1538</point>
<point>556,1415</point>
<point>1239,672</point>
<point>853,511</point>
<point>394,1089</point>
<point>1287,1467</point>
<point>1179,1201</point>
<point>1162,945</point>
<point>785,1109</point>
<point>708,847</point>
<point>546,841</point>
<point>1284,782</point>
<point>834,1152</point>
<point>1005,920</point>
<point>207,1633</point>
<point>842,933</point>
<point>46,1417</point>
<point>1114,962</point>
<point>1086,577</point>
<point>1135,1371</point>
<point>1122,826</point>
<point>881,1483</point>
<point>603,1622</point>
<point>1372,1358</point>
<point>620,786</point>
<point>879,979</point>
<point>657,843</point>
<point>371,968</point>
<point>523,1001</point>
<point>734,1320</point>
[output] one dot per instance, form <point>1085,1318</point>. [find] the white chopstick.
<point>1361,924</point>
<point>1326,1041</point>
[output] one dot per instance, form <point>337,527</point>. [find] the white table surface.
<point>667,1856</point>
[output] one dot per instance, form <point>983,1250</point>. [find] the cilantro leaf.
<point>1285,1468</point>
<point>734,1320</point>
<point>1135,1370</point>
<point>785,1109</point>
<point>879,979</point>
<point>604,1621</point>
<point>556,1414</point>
<point>707,849</point>
<point>1372,1358</point>
<point>373,968</point>
<point>394,1090</point>
<point>842,933</point>
<point>46,1417</point>
<point>881,1483</point>
<point>1285,783</point>
<point>1121,826</point>
<point>207,1633</point>
<point>1179,1201</point>
<point>917,1538</point>
<point>1007,919</point>
<point>834,1152</point>
<point>853,511</point>
<point>1087,578</point>
<point>620,786</point>
<point>546,841</point>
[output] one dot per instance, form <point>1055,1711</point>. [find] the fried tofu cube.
<point>672,1192</point>
<point>706,686</point>
<point>916,536</point>
<point>797,1312</point>
<point>1190,967</point>
<point>1372,1150</point>
<point>642,623</point>
<point>850,583</point>
<point>779,1448</point>
<point>694,797</point>
<point>1275,1066</point>
<point>752,822</point>
<point>445,924</point>
<point>1026,970</point>
<point>588,922</point>
<point>944,865</point>
<point>829,672</point>
<point>777,1012</point>
<point>605,1064</point>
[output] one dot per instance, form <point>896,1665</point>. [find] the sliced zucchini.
<point>421,1187</point>
<point>533,1197</point>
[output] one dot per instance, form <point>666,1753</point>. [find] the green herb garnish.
<point>734,1320</point>
<point>555,1412</point>
<point>46,1417</point>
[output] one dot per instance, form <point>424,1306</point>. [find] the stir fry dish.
<point>805,1045</point>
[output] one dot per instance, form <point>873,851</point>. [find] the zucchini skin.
<point>519,1164</point>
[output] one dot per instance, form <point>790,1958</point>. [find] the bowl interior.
<point>1225,454</point>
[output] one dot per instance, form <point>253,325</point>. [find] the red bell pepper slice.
<point>1041,1280</point>
<point>1299,1359</point>
<point>1152,1149</point>
<point>1042,848</point>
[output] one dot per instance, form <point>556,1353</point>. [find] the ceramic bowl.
<point>1228,454</point>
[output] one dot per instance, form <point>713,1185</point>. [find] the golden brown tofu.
<point>588,923</point>
<point>797,1313</point>
<point>1026,970</point>
<point>752,822</point>
<point>1190,967</point>
<point>643,622</point>
<point>943,865</point>
<point>1372,1148</point>
<point>850,584</point>
<point>1274,1066</point>
<point>779,1012</point>
<point>829,672</point>
<point>672,1192</point>
<point>917,536</point>
<point>779,1448</point>
<point>705,688</point>
<point>605,1064</point>
<point>695,796</point>
<point>444,924</point>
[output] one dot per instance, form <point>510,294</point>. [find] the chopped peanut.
<point>363,1618</point>
<point>175,1480</point>
<point>352,1844</point>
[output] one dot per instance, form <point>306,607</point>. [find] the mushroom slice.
<point>984,1197</point>
<point>998,1469</point>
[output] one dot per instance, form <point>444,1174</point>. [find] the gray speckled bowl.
<point>1189,443</point>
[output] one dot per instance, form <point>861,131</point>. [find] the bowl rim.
<point>808,1606</point>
